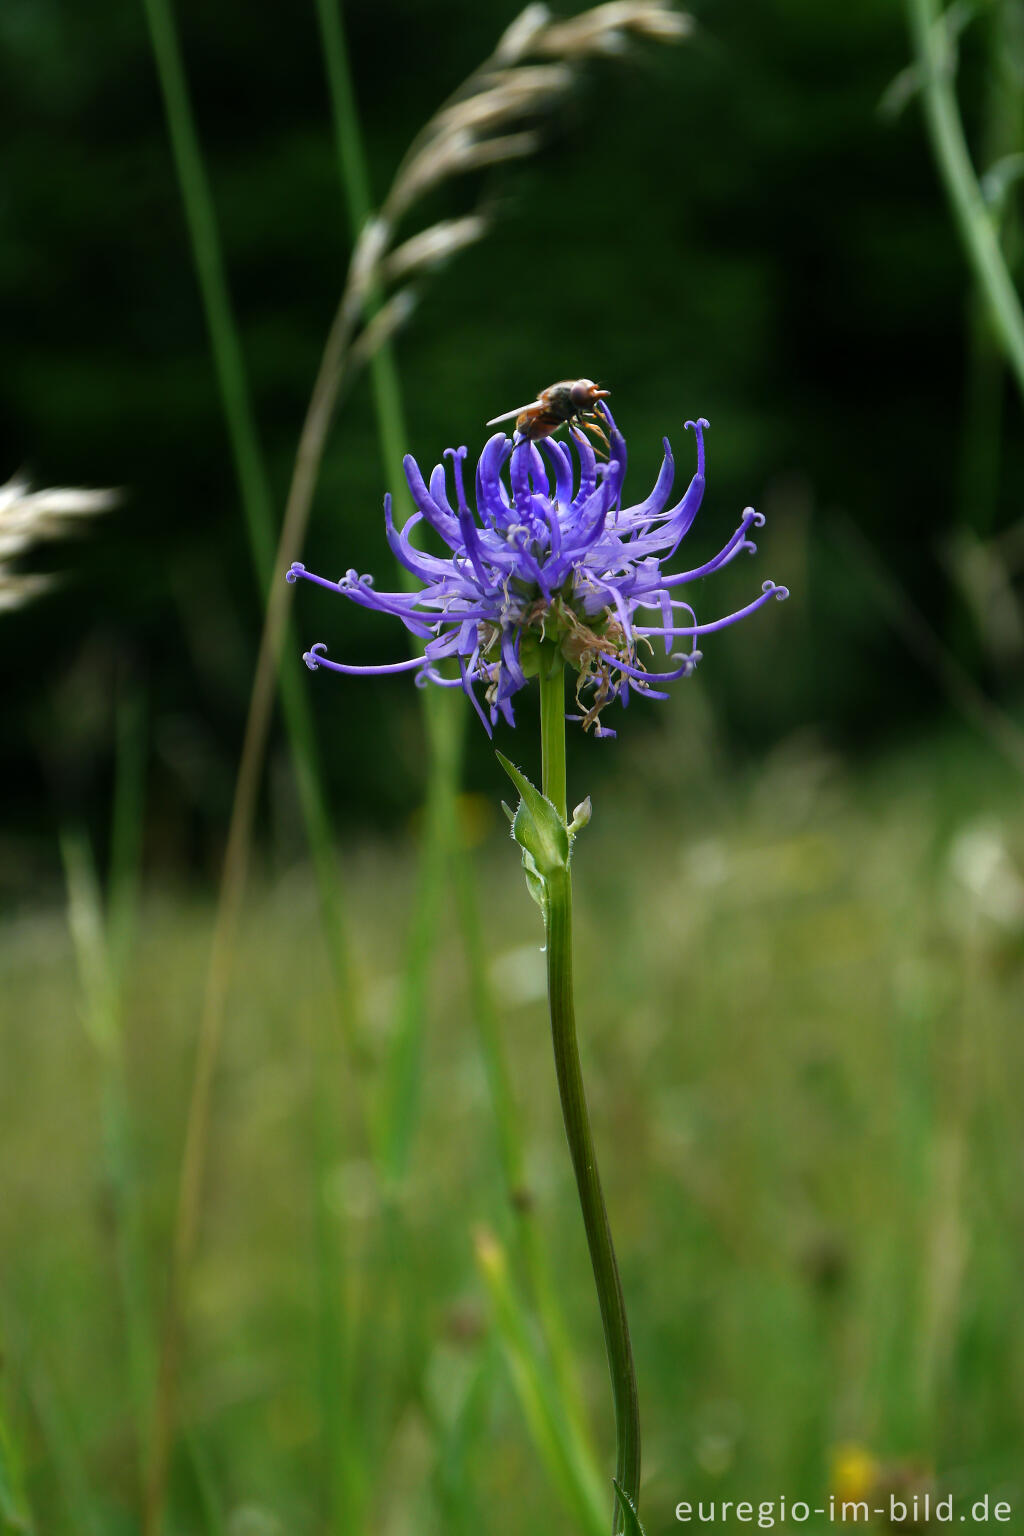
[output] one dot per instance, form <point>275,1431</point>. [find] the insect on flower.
<point>569,402</point>
<point>552,553</point>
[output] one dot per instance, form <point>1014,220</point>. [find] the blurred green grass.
<point>799,999</point>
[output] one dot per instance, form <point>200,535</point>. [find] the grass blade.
<point>575,1478</point>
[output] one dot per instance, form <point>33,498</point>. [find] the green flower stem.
<point>977,227</point>
<point>558,923</point>
<point>552,729</point>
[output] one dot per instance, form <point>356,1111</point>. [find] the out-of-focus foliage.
<point>802,1041</point>
<point>727,227</point>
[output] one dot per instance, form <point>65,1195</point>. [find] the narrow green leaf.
<point>530,793</point>
<point>537,827</point>
<point>630,1517</point>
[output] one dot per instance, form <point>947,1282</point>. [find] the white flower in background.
<point>28,518</point>
<point>987,880</point>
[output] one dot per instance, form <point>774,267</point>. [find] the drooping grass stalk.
<point>977,228</point>
<point>558,926</point>
<point>443,717</point>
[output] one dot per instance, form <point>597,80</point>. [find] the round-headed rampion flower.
<point>552,555</point>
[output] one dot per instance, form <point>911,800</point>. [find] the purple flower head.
<point>551,554</point>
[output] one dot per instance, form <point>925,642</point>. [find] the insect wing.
<point>509,415</point>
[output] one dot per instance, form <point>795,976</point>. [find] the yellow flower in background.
<point>858,1476</point>
<point>854,1473</point>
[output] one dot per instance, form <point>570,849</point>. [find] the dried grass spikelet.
<point>607,28</point>
<point>432,246</point>
<point>30,517</point>
<point>491,118</point>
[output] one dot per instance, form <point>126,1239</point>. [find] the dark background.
<point>727,228</point>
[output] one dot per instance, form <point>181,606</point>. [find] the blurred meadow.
<point>289,1242</point>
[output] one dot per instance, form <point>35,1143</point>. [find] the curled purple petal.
<point>552,553</point>
<point>315,659</point>
<point>738,541</point>
<point>768,591</point>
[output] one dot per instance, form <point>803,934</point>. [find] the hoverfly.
<point>569,402</point>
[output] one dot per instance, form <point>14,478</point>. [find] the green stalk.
<point>1002,134</point>
<point>206,252</point>
<point>977,227</point>
<point>983,432</point>
<point>558,924</point>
